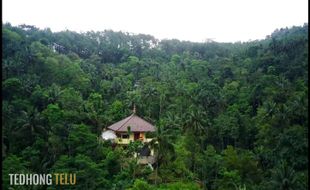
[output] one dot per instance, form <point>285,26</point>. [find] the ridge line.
<point>126,121</point>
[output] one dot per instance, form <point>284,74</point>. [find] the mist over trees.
<point>228,115</point>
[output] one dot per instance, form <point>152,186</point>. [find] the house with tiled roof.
<point>130,129</point>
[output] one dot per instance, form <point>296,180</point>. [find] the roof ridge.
<point>125,121</point>
<point>146,121</point>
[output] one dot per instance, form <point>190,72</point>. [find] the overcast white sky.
<point>194,20</point>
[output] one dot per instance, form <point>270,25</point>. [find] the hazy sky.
<point>194,20</point>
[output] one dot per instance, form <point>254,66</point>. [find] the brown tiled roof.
<point>135,123</point>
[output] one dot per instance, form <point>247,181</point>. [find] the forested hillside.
<point>228,115</point>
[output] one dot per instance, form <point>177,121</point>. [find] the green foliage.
<point>116,111</point>
<point>82,141</point>
<point>284,177</point>
<point>141,185</point>
<point>89,175</point>
<point>12,87</point>
<point>12,165</point>
<point>179,185</point>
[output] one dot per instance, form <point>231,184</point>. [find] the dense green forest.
<point>227,115</point>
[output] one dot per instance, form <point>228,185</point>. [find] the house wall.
<point>142,136</point>
<point>142,159</point>
<point>121,140</point>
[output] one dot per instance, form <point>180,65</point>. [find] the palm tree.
<point>194,120</point>
<point>30,122</point>
<point>284,177</point>
<point>7,123</point>
<point>162,144</point>
<point>53,93</point>
<point>194,126</point>
<point>164,149</point>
